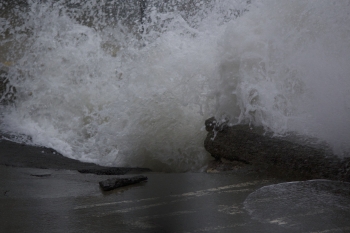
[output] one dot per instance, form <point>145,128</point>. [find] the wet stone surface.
<point>279,156</point>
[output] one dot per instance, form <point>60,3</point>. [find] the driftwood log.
<point>114,170</point>
<point>114,183</point>
<point>256,147</point>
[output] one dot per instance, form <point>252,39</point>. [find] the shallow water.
<point>174,202</point>
<point>97,85</point>
<point>295,205</point>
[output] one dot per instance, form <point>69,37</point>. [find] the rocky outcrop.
<point>254,146</point>
<point>19,155</point>
<point>114,183</point>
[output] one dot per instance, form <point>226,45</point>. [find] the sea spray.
<point>97,85</point>
<point>285,64</point>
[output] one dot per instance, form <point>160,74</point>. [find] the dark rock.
<point>212,124</point>
<point>19,155</point>
<point>274,154</point>
<point>114,183</point>
<point>114,170</point>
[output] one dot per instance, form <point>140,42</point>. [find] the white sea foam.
<point>91,86</point>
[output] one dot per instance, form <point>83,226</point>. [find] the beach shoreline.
<point>43,191</point>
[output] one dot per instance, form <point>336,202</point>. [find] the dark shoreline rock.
<point>20,155</point>
<point>113,183</point>
<point>271,154</point>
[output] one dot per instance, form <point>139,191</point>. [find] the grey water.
<point>44,200</point>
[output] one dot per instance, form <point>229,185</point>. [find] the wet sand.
<point>41,191</point>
